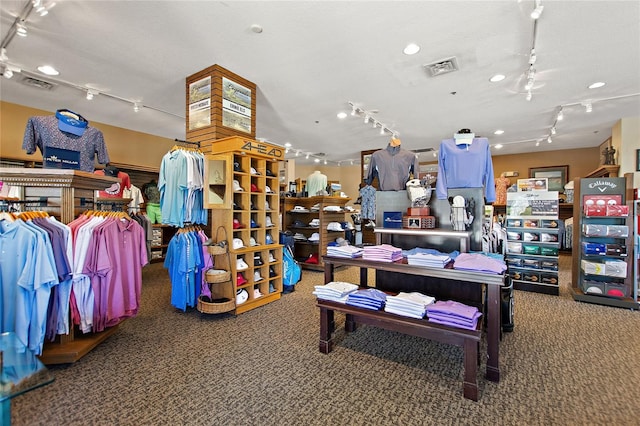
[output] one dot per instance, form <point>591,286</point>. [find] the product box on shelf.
<point>616,290</point>
<point>617,210</point>
<point>419,222</point>
<point>616,268</point>
<point>593,268</point>
<point>616,250</point>
<point>595,210</point>
<point>419,211</point>
<point>392,220</point>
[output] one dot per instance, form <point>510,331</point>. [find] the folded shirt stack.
<point>336,291</point>
<point>432,260</point>
<point>413,305</point>
<point>382,253</point>
<point>480,263</point>
<point>454,314</point>
<point>369,298</point>
<point>344,251</point>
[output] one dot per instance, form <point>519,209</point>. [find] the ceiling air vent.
<point>443,66</point>
<point>37,83</point>
<point>418,151</point>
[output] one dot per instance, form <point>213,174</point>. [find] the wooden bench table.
<point>469,340</point>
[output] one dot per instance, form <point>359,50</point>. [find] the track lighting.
<point>529,95</point>
<point>354,110</point>
<point>325,162</point>
<point>317,160</point>
<point>375,124</point>
<point>298,153</point>
<point>90,94</point>
<point>560,115</point>
<point>537,11</point>
<point>21,29</point>
<point>549,140</point>
<point>588,107</point>
<point>533,57</point>
<point>381,131</point>
<point>136,107</point>
<point>3,55</point>
<point>307,157</point>
<point>366,119</point>
<point>369,118</point>
<point>553,130</point>
<point>537,143</point>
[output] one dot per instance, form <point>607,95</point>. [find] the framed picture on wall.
<point>556,176</point>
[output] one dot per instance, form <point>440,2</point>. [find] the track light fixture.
<point>549,140</point>
<point>560,115</point>
<point>529,95</point>
<point>136,107</point>
<point>553,130</point>
<point>367,114</point>
<point>588,107</point>
<point>21,29</point>
<point>535,15</point>
<point>90,94</point>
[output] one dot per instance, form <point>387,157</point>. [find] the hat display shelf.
<point>304,217</point>
<point>223,295</point>
<point>604,259</point>
<point>252,168</point>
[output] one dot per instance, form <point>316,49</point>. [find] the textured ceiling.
<point>312,58</point>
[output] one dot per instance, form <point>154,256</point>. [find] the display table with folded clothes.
<point>402,313</point>
<point>459,283</point>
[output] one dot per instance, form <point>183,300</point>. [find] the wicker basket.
<point>215,307</point>
<point>219,249</point>
<point>217,278</point>
<point>215,250</point>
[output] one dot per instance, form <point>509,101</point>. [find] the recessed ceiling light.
<point>498,132</point>
<point>597,84</point>
<point>341,115</point>
<point>496,78</point>
<point>48,70</point>
<point>498,146</point>
<point>256,28</point>
<point>411,49</point>
<point>288,144</point>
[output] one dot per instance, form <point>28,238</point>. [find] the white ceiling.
<point>313,57</point>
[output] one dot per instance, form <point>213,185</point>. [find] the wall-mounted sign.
<point>200,103</point>
<point>236,106</point>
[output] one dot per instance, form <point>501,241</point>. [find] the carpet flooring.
<point>565,363</point>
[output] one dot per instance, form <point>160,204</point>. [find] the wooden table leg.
<point>493,333</point>
<point>470,386</point>
<point>349,324</point>
<point>328,272</point>
<point>327,326</point>
<point>364,281</point>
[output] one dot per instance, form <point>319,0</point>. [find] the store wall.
<point>125,147</point>
<point>625,138</point>
<point>348,176</point>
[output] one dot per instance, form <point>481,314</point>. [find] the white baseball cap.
<point>237,243</point>
<point>266,205</point>
<point>268,190</point>
<point>314,237</point>
<point>253,242</point>
<point>241,265</point>
<point>256,293</point>
<point>236,186</point>
<point>268,222</point>
<point>334,226</point>
<point>271,258</point>
<point>257,277</point>
<point>314,222</point>
<point>255,172</point>
<point>241,296</point>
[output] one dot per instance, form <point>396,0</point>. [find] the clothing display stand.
<point>223,297</point>
<point>68,193</point>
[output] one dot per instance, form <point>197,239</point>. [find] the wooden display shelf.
<point>69,351</point>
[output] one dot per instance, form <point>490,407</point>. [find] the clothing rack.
<point>180,141</point>
<point>112,204</point>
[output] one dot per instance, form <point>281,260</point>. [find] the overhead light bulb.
<point>529,95</point>
<point>498,146</point>
<point>136,107</point>
<point>316,160</point>
<point>298,153</point>
<point>48,70</point>
<point>89,95</point>
<point>537,11</point>
<point>354,110</point>
<point>352,162</point>
<point>597,85</point>
<point>341,115</point>
<point>496,78</point>
<point>21,30</point>
<point>288,144</point>
<point>339,163</point>
<point>560,116</point>
<point>498,132</point>
<point>553,130</point>
<point>549,140</point>
<point>411,49</point>
<point>286,150</point>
